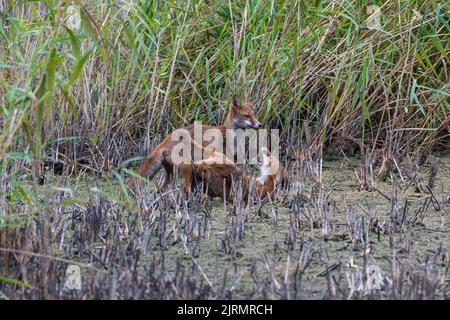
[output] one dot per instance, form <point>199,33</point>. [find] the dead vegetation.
<point>79,106</point>
<point>165,245</point>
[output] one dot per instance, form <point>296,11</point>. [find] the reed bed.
<point>87,88</point>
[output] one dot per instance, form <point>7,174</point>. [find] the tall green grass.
<point>137,69</point>
<point>101,95</point>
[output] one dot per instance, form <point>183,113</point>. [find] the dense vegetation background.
<point>105,90</point>
<point>90,86</point>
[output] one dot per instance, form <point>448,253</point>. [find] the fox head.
<point>269,165</point>
<point>241,115</point>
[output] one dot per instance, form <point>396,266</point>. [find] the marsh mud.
<point>320,241</point>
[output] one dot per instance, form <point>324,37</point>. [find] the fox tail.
<point>148,168</point>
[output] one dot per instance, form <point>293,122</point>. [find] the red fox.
<point>216,175</point>
<point>271,167</point>
<point>240,115</point>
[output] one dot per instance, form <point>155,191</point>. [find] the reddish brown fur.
<point>216,176</point>
<point>239,116</point>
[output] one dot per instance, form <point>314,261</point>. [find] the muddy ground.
<point>316,224</point>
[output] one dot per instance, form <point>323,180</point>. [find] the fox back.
<point>240,115</point>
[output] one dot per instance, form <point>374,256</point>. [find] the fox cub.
<point>218,172</point>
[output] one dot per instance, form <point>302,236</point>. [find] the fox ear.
<point>236,102</point>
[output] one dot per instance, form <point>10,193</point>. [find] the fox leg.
<point>186,173</point>
<point>168,176</point>
<point>187,184</point>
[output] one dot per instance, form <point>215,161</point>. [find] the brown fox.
<point>218,172</point>
<point>271,167</point>
<point>240,115</point>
